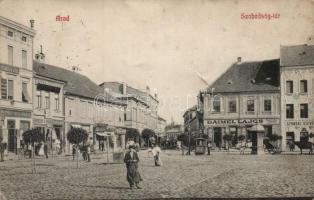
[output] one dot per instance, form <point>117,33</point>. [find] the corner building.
<point>247,94</point>
<point>16,78</point>
<point>297,92</point>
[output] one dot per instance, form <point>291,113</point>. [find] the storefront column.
<point>122,137</point>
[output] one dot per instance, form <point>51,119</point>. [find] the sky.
<point>176,47</point>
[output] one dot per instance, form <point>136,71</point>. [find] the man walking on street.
<point>46,149</point>
<point>2,147</point>
<point>209,146</point>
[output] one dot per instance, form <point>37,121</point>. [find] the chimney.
<point>239,59</point>
<point>147,90</point>
<point>40,57</point>
<point>124,88</point>
<point>32,23</point>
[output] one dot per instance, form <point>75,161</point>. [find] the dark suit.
<point>131,160</point>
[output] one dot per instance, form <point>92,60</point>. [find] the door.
<point>12,140</point>
<point>254,142</point>
<point>217,137</point>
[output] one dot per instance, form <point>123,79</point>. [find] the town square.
<point>132,99</point>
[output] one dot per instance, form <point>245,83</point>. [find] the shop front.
<point>13,124</point>
<point>296,130</point>
<point>217,128</point>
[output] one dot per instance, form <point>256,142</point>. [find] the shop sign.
<point>300,123</point>
<point>14,113</point>
<point>237,122</point>
<point>39,121</point>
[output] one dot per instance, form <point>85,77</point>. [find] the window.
<point>267,105</point>
<point>47,101</point>
<point>232,106</point>
<point>24,59</point>
<point>250,105</point>
<point>10,33</point>
<point>216,104</point>
<point>4,89</point>
<point>57,102</point>
<point>25,96</point>
<point>304,110</point>
<point>289,87</point>
<point>10,55</point>
<point>24,39</point>
<point>38,96</point>
<point>303,86</point>
<point>10,89</point>
<point>289,111</point>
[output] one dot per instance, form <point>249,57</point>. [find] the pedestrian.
<point>131,159</point>
<point>41,151</point>
<point>73,150</point>
<point>2,147</point>
<point>46,149</point>
<point>243,146</point>
<point>88,152</point>
<point>156,152</point>
<point>83,150</point>
<point>209,146</point>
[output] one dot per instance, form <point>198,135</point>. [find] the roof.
<point>75,84</point>
<point>117,87</point>
<point>193,108</point>
<point>161,119</point>
<point>254,76</point>
<point>18,26</point>
<point>297,55</point>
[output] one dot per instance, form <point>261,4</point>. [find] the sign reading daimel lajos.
<point>223,122</point>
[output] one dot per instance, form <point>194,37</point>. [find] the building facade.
<point>85,105</point>
<point>297,92</point>
<point>193,122</point>
<point>141,107</point>
<point>16,78</point>
<point>247,94</point>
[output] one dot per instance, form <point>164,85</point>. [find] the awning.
<point>76,126</point>
<point>257,128</point>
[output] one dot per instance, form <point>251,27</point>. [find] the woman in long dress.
<point>41,151</point>
<point>156,153</point>
<point>131,159</point>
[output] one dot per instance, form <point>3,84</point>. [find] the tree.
<point>147,134</point>
<point>32,137</point>
<point>75,137</point>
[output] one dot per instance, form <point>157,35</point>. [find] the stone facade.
<point>16,76</point>
<point>297,92</point>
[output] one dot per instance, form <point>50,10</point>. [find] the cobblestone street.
<point>220,175</point>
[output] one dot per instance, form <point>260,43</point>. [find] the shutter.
<point>3,88</point>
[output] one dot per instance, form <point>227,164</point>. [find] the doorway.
<point>12,139</point>
<point>254,142</point>
<point>217,137</point>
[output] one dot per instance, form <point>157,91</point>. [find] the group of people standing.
<point>85,149</point>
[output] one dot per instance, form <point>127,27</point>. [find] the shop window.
<point>250,105</point>
<point>232,106</point>
<point>303,86</point>
<point>289,111</point>
<point>57,103</point>
<point>267,105</point>
<point>304,110</point>
<point>289,87</point>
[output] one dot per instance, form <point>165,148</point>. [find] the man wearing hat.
<point>131,159</point>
